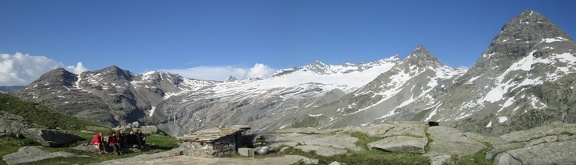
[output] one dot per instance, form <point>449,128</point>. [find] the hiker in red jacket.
<point>98,141</point>
<point>113,142</point>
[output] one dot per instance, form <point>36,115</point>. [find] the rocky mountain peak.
<point>231,78</point>
<point>395,57</point>
<point>528,27</point>
<point>422,57</point>
<point>114,73</point>
<point>58,76</point>
<point>517,38</point>
<point>112,69</point>
<point>318,67</point>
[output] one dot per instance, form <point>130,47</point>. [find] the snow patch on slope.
<point>526,64</point>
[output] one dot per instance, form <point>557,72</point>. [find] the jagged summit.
<point>517,39</point>
<point>422,57</point>
<point>57,76</point>
<point>231,78</point>
<point>114,73</point>
<point>530,26</point>
<point>112,68</point>
<point>319,67</point>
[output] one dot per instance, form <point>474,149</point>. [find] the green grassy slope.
<point>41,115</point>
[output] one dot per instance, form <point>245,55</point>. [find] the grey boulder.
<point>31,154</point>
<point>400,144</point>
<point>448,141</point>
<point>12,124</point>
<point>51,137</point>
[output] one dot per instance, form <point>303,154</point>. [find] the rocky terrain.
<point>110,96</point>
<point>523,80</point>
<point>550,144</point>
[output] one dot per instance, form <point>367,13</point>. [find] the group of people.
<point>121,141</point>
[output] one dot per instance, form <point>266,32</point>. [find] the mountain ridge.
<point>524,79</point>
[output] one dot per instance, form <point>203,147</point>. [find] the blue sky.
<point>215,39</point>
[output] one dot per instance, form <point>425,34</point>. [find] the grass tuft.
<point>363,139</point>
<point>478,157</point>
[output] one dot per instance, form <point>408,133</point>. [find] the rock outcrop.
<point>550,144</point>
<point>31,154</point>
<point>402,137</point>
<point>51,137</point>
<point>401,144</point>
<point>448,141</point>
<point>397,137</point>
<point>12,124</point>
<point>322,144</point>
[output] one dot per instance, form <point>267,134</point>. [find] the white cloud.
<point>79,68</point>
<point>259,71</point>
<point>22,69</point>
<point>223,72</point>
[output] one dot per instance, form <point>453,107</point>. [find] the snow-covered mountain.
<point>109,96</point>
<point>418,79</point>
<point>261,102</point>
<point>524,79</point>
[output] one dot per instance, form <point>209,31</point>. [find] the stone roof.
<point>209,135</point>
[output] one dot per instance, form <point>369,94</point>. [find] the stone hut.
<point>213,142</point>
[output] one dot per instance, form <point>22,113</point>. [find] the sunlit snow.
<point>502,119</point>
<point>152,111</point>
<point>526,64</point>
<point>557,39</point>
<point>314,115</point>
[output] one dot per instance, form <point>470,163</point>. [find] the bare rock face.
<point>12,124</point>
<point>51,137</point>
<point>322,150</point>
<point>324,144</point>
<point>401,144</point>
<point>403,137</point>
<point>545,153</point>
<point>448,141</point>
<point>31,154</point>
<point>110,96</point>
<point>550,144</point>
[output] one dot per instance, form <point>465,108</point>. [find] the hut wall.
<point>216,148</point>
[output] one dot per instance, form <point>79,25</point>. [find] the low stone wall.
<point>217,148</point>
